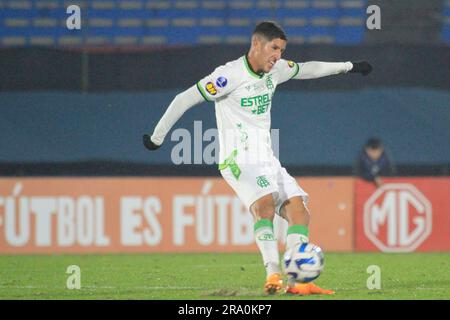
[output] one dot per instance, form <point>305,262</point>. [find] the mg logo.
<point>397,218</point>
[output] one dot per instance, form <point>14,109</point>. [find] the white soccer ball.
<point>304,262</point>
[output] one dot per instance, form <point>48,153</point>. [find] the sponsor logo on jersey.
<point>221,82</point>
<point>291,64</point>
<point>258,104</point>
<point>269,83</point>
<point>211,88</point>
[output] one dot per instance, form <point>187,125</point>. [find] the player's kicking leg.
<point>263,211</point>
<point>297,215</point>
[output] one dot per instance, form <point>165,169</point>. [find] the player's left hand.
<point>148,143</point>
<point>362,67</point>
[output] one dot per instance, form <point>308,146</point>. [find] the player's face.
<point>271,52</point>
<point>374,154</point>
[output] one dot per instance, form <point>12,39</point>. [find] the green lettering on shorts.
<point>262,181</point>
<point>230,162</point>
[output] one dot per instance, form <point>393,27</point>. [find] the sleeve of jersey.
<point>218,84</point>
<point>310,70</point>
<point>319,69</point>
<point>287,70</point>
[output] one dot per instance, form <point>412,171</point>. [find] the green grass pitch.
<point>217,276</point>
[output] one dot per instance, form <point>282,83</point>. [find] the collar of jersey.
<point>250,70</point>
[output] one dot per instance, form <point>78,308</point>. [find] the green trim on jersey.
<point>231,163</point>
<point>203,93</point>
<point>297,70</point>
<point>250,70</point>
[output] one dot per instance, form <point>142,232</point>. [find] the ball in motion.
<point>303,262</point>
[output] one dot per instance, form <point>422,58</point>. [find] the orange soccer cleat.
<point>305,289</point>
<point>273,284</point>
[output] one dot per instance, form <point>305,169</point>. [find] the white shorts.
<point>256,181</point>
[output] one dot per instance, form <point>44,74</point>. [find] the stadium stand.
<point>446,23</point>
<point>176,22</point>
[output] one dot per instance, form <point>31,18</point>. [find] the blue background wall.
<point>317,128</point>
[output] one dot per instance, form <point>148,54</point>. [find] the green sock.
<point>296,234</point>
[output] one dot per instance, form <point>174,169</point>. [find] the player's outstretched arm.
<point>318,69</point>
<point>182,102</point>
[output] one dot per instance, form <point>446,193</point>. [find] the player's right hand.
<point>148,143</point>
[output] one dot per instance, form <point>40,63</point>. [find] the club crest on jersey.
<point>221,82</point>
<point>291,64</point>
<point>211,88</point>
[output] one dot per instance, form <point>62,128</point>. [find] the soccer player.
<point>242,91</point>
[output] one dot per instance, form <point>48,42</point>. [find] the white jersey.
<point>243,101</point>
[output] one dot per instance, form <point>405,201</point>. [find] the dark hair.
<point>374,143</point>
<point>270,30</point>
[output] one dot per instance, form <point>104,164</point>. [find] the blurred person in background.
<point>373,162</point>
<point>242,91</point>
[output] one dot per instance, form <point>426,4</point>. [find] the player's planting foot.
<point>305,289</point>
<point>273,284</point>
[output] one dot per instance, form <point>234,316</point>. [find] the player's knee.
<point>264,213</point>
<point>296,212</point>
<point>264,208</point>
